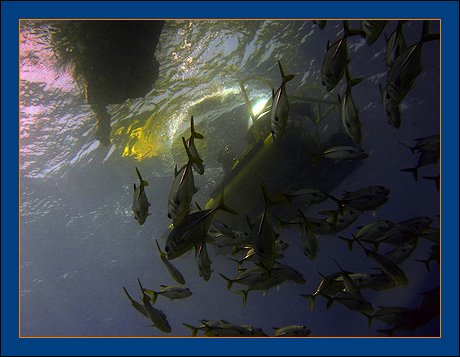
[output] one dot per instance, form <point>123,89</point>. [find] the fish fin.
<point>426,36</point>
<point>158,246</point>
<point>197,206</point>
<point>245,295</point>
<point>286,78</point>
<point>330,301</point>
<point>352,81</point>
<point>127,295</point>
<point>426,262</point>
<point>388,332</point>
<point>229,281</point>
<point>433,178</point>
<point>222,206</point>
<point>191,158</point>
<point>327,45</point>
<point>407,146</point>
<point>142,182</point>
<point>134,187</point>
<point>175,170</point>
<point>413,170</point>
<point>154,295</point>
<point>311,300</point>
<point>369,319</point>
<point>349,32</point>
<point>193,328</point>
<point>194,134</point>
<point>349,241</point>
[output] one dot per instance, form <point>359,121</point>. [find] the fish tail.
<point>229,281</point>
<point>140,285</point>
<point>311,300</point>
<point>413,170</point>
<point>286,78</point>
<point>247,102</point>
<point>349,32</point>
<point>143,182</point>
<point>351,81</point>
<point>426,262</point>
<point>222,206</point>
<point>194,134</point>
<point>191,158</point>
<point>407,146</point>
<point>388,332</point>
<point>369,319</point>
<point>330,301</point>
<point>127,295</point>
<point>154,295</point>
<point>349,241</point>
<point>193,328</point>
<point>245,295</point>
<point>433,178</point>
<point>426,36</point>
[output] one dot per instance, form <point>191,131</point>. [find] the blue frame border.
<point>447,11</point>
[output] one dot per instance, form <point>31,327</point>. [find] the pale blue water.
<point>79,241</point>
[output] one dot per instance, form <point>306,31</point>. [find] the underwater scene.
<point>229,178</point>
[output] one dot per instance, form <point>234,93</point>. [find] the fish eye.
<point>167,249</point>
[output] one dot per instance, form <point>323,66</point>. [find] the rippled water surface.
<point>79,243</point>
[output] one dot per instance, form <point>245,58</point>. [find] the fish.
<point>336,59</point>
<point>395,44</point>
<point>328,286</point>
<point>371,29</point>
<point>402,251</point>
<point>350,286</point>
<point>171,292</point>
<point>351,301</point>
<point>320,23</point>
<point>139,307</point>
<point>198,163</point>
<point>390,314</point>
<point>387,266</point>
<point>391,107</point>
<point>434,255</point>
<point>259,278</point>
<point>349,114</point>
<point>429,149</point>
<point>192,230</point>
<point>172,270</point>
<point>292,331</point>
<point>140,203</point>
<point>308,196</point>
<point>407,66</point>
<point>342,217</point>
<point>280,106</point>
<point>182,189</point>
<point>264,235</point>
<point>381,281</point>
<point>223,328</point>
<point>368,198</point>
<point>340,153</point>
<point>373,232</point>
<point>203,260</point>
<point>158,317</point>
<point>225,236</point>
<point>309,242</point>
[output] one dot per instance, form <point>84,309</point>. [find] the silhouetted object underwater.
<point>114,59</point>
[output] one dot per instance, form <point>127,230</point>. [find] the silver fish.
<point>373,232</point>
<point>280,106</point>
<point>140,203</point>
<point>291,331</point>
<point>139,307</point>
<point>395,44</point>
<point>172,270</point>
<point>223,328</point>
<point>351,301</point>
<point>372,29</point>
<point>198,163</point>
<point>182,190</point>
<point>171,292</point>
<point>158,317</point>
<point>204,262</point>
<point>366,198</point>
<point>349,113</point>
<point>192,230</point>
<point>344,153</point>
<point>406,67</point>
<point>391,107</point>
<point>402,252</point>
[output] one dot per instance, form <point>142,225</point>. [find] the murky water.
<point>79,242</point>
